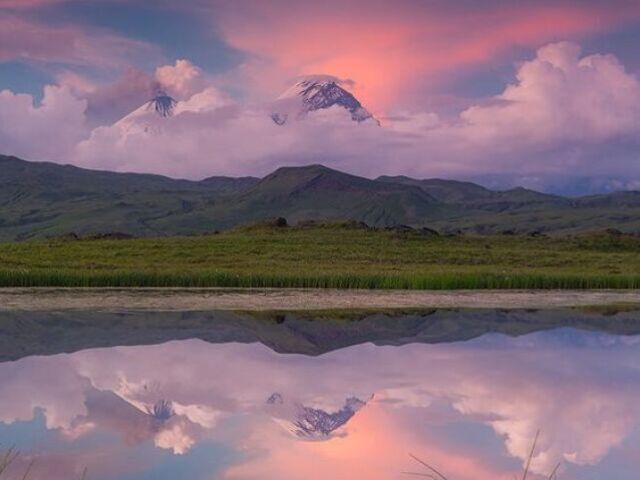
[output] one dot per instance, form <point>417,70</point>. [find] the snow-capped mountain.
<point>311,423</point>
<point>149,117</point>
<point>159,113</point>
<point>317,93</point>
<point>311,94</point>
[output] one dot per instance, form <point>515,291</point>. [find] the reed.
<point>326,257</point>
<point>9,457</point>
<point>55,278</point>
<point>434,474</point>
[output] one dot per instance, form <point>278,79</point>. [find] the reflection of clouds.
<point>375,448</point>
<point>198,414</point>
<point>108,412</point>
<point>571,393</point>
<point>580,394</point>
<point>29,384</point>
<point>175,437</point>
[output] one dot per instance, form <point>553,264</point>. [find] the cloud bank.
<point>29,40</point>
<point>49,130</point>
<point>395,52</point>
<point>564,112</point>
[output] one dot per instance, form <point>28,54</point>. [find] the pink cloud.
<point>563,110</point>
<point>374,448</point>
<point>23,4</point>
<point>46,131</point>
<point>22,39</point>
<point>107,103</point>
<point>560,99</point>
<point>562,96</point>
<point>392,52</point>
<point>182,80</point>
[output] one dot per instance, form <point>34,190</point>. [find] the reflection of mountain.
<point>467,400</point>
<point>44,333</point>
<point>311,423</point>
<point>106,410</point>
<point>161,411</point>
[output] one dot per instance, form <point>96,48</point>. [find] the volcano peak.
<point>314,93</point>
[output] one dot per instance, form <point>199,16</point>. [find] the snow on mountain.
<point>317,93</point>
<point>312,94</point>
<point>153,116</point>
<point>164,115</point>
<point>311,423</point>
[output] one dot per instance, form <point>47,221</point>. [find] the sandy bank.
<point>50,299</point>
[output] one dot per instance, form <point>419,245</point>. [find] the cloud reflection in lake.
<point>191,409</point>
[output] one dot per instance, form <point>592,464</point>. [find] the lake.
<point>219,395</point>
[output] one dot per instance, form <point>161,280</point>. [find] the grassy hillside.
<point>39,199</point>
<point>478,197</point>
<point>316,193</point>
<point>43,200</point>
<point>328,256</point>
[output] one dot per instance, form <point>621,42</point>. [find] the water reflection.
<point>196,410</point>
<point>45,333</point>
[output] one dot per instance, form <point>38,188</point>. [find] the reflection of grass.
<point>341,314</point>
<point>610,309</point>
<point>434,474</point>
<point>327,257</point>
<point>7,459</point>
<point>11,455</point>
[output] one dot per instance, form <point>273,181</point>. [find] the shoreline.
<point>225,299</point>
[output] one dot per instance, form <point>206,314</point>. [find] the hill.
<point>318,193</point>
<point>40,200</point>
<point>475,196</point>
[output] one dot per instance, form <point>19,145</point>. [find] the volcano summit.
<point>317,93</point>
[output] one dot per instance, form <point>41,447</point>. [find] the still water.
<point>300,398</point>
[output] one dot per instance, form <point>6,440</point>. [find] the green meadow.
<point>327,256</point>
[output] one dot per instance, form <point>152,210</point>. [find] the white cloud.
<point>174,438</point>
<point>183,79</point>
<point>48,131</point>
<point>559,97</point>
<point>563,114</point>
<point>561,110</point>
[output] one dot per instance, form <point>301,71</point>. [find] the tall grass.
<point>9,457</point>
<point>323,257</point>
<point>434,474</point>
<point>340,281</point>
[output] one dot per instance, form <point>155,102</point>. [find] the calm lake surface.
<point>231,396</point>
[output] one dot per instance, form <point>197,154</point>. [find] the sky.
<point>539,93</point>
<point>472,413</point>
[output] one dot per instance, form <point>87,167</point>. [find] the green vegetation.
<point>608,310</point>
<point>43,200</point>
<point>328,256</point>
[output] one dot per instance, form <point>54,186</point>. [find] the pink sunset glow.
<point>530,91</point>
<point>392,52</point>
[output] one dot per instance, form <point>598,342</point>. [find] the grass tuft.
<point>326,256</point>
